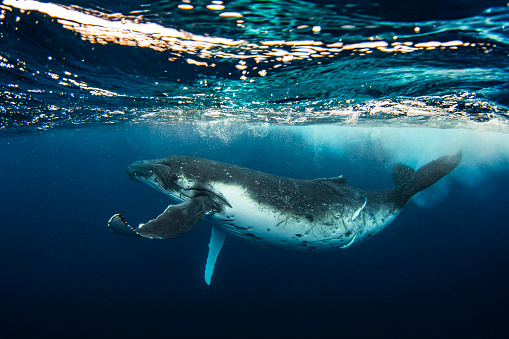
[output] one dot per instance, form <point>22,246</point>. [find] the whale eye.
<point>174,177</point>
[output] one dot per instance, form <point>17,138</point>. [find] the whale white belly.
<point>267,225</point>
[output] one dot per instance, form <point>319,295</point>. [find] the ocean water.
<point>294,88</point>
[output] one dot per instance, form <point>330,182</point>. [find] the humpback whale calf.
<point>301,215</point>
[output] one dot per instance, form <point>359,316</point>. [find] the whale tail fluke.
<point>409,182</point>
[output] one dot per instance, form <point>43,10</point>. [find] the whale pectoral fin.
<point>176,219</point>
<point>117,224</point>
<point>217,238</point>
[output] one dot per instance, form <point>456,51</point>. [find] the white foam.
<point>415,146</point>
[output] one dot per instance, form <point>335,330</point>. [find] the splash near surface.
<point>284,62</point>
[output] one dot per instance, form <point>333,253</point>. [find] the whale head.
<point>174,176</point>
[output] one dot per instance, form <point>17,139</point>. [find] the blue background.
<point>439,270</point>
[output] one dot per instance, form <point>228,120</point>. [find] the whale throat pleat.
<point>217,238</point>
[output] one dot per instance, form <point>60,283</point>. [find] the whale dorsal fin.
<point>336,180</point>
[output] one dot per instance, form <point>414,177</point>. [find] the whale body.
<point>318,215</point>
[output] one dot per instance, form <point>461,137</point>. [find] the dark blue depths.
<point>438,271</point>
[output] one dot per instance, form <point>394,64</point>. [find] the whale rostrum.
<point>316,215</point>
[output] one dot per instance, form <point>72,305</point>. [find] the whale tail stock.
<point>409,182</point>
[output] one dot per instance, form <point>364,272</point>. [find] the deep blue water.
<point>439,270</point>
<point>294,88</point>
